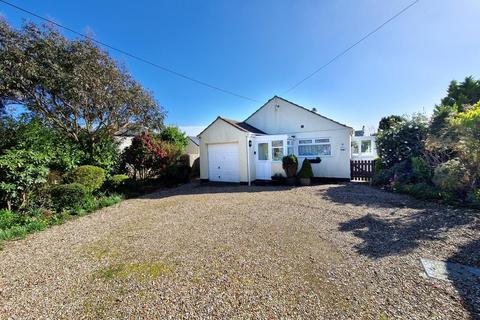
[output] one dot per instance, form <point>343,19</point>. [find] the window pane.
<point>322,140</point>
<point>263,151</point>
<point>289,150</point>
<point>277,143</point>
<point>289,142</point>
<point>305,141</point>
<point>277,154</point>
<point>366,146</point>
<point>315,150</point>
<point>325,150</point>
<point>354,147</point>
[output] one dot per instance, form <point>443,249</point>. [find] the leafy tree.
<point>387,122</point>
<point>72,84</point>
<point>460,96</point>
<point>403,140</point>
<point>173,135</point>
<point>467,126</point>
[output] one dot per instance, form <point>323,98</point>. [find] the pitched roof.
<point>240,125</point>
<point>195,140</point>
<point>299,106</point>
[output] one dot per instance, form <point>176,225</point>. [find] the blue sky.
<point>261,48</point>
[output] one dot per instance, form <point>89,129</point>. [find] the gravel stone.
<point>339,251</point>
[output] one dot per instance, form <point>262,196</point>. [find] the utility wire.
<point>352,46</point>
<point>131,55</point>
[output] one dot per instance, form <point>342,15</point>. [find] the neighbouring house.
<point>193,152</point>
<point>249,150</point>
<point>363,146</point>
<point>193,146</point>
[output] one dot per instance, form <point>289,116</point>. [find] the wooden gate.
<point>361,170</point>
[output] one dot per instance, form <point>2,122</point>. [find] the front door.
<point>263,161</point>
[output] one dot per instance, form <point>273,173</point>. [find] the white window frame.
<point>282,147</point>
<point>357,142</point>
<point>360,146</point>
<point>314,142</point>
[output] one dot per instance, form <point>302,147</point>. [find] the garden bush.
<point>421,171</point>
<point>402,172</point>
<point>451,176</point>
<point>91,177</point>
<point>290,165</point>
<point>402,139</point>
<point>422,191</point>
<point>149,157</point>
<point>306,171</point>
<point>116,181</point>
<point>68,196</point>
<point>474,197</point>
<point>382,177</point>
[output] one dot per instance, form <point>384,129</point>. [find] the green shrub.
<point>290,165</point>
<point>383,177</point>
<point>108,201</point>
<point>117,182</point>
<point>474,197</point>
<point>8,219</point>
<point>68,196</point>
<point>451,176</point>
<point>421,171</point>
<point>21,171</point>
<point>377,165</point>
<point>402,172</point>
<point>91,177</point>
<point>306,171</point>
<point>14,232</point>
<point>422,191</point>
<point>401,139</point>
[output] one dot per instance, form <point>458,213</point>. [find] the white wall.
<point>335,166</point>
<point>282,117</point>
<point>288,117</point>
<point>222,132</point>
<point>192,148</point>
<point>123,142</point>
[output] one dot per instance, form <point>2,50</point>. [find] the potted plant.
<point>306,173</point>
<point>290,165</point>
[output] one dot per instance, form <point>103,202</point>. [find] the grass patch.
<point>17,225</point>
<point>143,270</point>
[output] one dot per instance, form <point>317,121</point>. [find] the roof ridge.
<point>299,106</point>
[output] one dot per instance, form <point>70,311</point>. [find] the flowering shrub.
<point>402,140</point>
<point>149,157</point>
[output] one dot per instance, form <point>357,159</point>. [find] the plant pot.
<point>291,181</point>
<point>305,181</point>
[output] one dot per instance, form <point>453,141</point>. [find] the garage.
<point>224,162</point>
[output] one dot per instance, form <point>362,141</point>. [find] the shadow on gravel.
<point>213,188</point>
<point>398,232</point>
<point>469,290</point>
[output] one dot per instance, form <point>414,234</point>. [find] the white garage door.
<point>224,162</point>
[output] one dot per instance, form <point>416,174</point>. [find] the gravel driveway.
<point>201,251</point>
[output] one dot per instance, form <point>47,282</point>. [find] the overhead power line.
<point>131,55</point>
<point>353,45</point>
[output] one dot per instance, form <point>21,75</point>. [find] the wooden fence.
<point>361,170</point>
